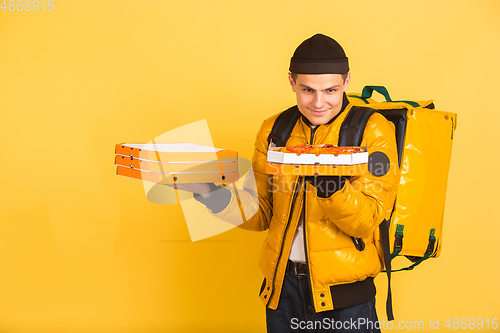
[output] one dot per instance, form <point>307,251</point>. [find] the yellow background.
<point>82,250</point>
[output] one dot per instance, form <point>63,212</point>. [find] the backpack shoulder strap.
<point>351,130</point>
<point>283,126</point>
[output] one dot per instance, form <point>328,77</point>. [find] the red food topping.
<point>320,149</point>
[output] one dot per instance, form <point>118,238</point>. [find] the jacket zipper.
<point>313,130</point>
<point>296,191</point>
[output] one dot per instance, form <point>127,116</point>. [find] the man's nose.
<point>319,100</point>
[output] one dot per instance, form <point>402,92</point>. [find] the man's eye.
<point>307,90</point>
<point>331,90</point>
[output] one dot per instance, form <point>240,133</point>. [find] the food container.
<point>281,163</point>
<point>168,163</point>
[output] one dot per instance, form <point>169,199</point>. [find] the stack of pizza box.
<point>281,163</point>
<point>171,163</point>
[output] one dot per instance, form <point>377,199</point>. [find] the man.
<point>323,247</point>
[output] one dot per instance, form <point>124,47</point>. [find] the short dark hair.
<point>294,76</point>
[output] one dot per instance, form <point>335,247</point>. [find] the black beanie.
<point>319,54</point>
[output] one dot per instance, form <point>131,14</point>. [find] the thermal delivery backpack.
<point>424,138</point>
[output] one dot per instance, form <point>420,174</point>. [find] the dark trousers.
<point>295,312</point>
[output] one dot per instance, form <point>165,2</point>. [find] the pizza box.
<point>168,163</point>
<point>275,156</point>
<point>175,152</point>
<point>169,167</point>
<point>279,163</point>
<point>315,169</point>
<point>178,178</point>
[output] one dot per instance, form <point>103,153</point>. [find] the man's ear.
<point>347,81</point>
<point>292,82</point>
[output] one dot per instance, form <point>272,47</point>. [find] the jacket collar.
<point>345,102</point>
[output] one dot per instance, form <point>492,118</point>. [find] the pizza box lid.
<point>275,156</point>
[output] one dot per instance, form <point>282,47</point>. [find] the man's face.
<point>319,96</point>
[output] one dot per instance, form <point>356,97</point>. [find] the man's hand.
<point>326,185</point>
<point>202,189</point>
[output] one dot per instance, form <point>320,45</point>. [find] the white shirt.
<point>297,253</point>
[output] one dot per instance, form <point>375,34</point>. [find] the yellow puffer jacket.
<point>337,269</point>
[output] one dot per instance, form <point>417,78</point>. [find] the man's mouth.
<point>318,111</point>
